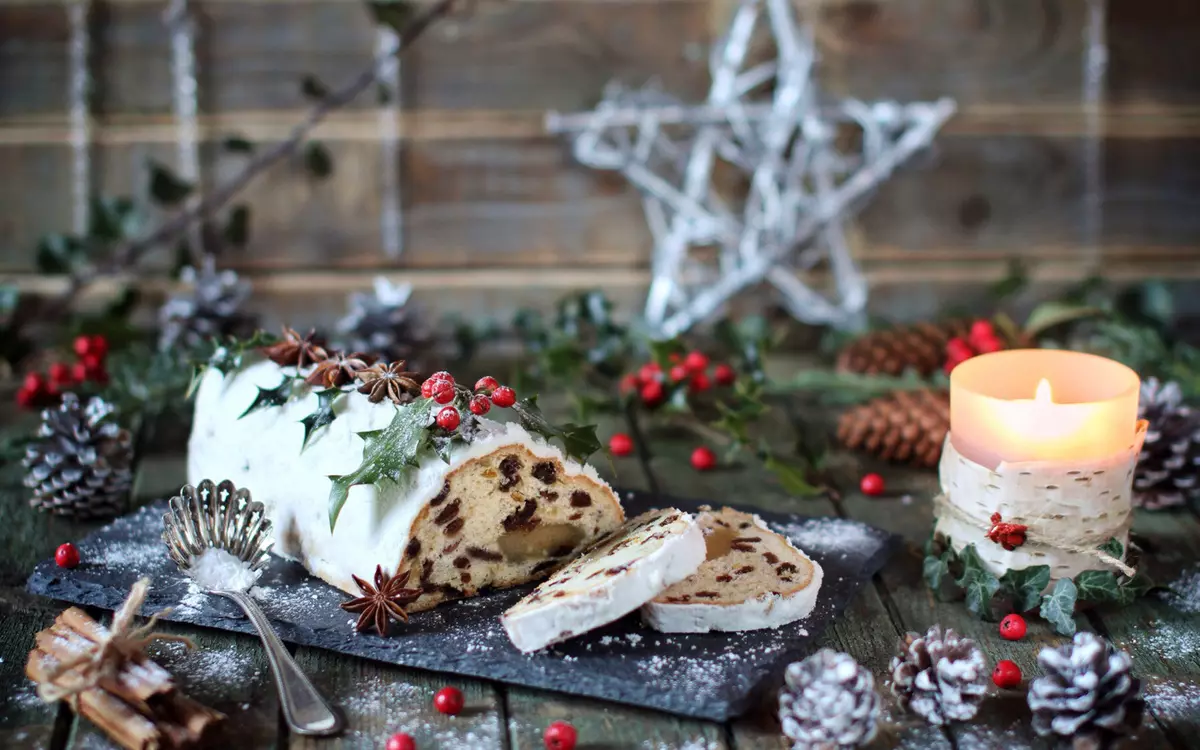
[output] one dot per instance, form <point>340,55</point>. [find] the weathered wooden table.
<point>230,673</point>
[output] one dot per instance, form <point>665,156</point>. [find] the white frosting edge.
<point>561,619</point>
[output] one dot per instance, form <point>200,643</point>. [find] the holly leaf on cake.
<point>390,453</point>
<point>1026,585</point>
<point>268,397</point>
<point>1058,607</point>
<point>226,355</point>
<point>979,583</point>
<point>322,416</point>
<point>578,441</point>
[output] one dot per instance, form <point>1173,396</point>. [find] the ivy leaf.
<point>1026,585</point>
<point>268,397</point>
<point>1053,314</point>
<point>979,583</point>
<point>396,14</point>
<point>1097,586</point>
<point>318,161</point>
<point>1131,589</point>
<point>935,570</point>
<point>237,228</point>
<point>1058,607</point>
<point>792,477</point>
<point>236,144</point>
<point>1113,547</point>
<point>313,88</point>
<point>322,416</point>
<point>390,453</point>
<point>578,441</point>
<point>166,187</point>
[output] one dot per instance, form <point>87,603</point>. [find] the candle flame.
<point>1043,395</point>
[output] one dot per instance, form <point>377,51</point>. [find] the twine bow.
<point>102,660</point>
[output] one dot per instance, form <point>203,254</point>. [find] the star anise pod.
<point>339,369</point>
<point>383,602</point>
<point>295,350</point>
<point>390,381</point>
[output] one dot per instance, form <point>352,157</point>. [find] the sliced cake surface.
<point>615,577</point>
<point>751,578</point>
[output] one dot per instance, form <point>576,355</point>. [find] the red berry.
<point>443,392</point>
<point>79,372</point>
<point>97,375</point>
<point>700,383</point>
<point>486,384</point>
<point>630,383</point>
<point>652,393</point>
<point>1013,627</point>
<point>448,418</point>
<point>60,373</point>
<point>27,399</point>
<point>442,375</point>
<point>67,555</point>
<point>989,345</point>
<point>560,736</point>
<point>479,404</point>
<point>871,485</point>
<point>959,348</point>
<point>504,397</point>
<point>401,741</point>
<point>678,373</point>
<point>982,329</point>
<point>1006,675</point>
<point>99,346</point>
<point>92,361</point>
<point>696,361</point>
<point>82,345</point>
<point>448,700</point>
<point>34,382</point>
<point>649,371</point>
<point>703,458</point>
<point>724,374</point>
<point>620,444</point>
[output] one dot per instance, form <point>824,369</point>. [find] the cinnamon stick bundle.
<point>136,703</point>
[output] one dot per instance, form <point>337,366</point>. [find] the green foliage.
<point>317,160</point>
<point>1025,586</point>
<point>1015,281</point>
<point>792,475</point>
<point>237,226</point>
<point>935,570</point>
<point>979,583</point>
<point>313,88</point>
<point>322,417</point>
<point>1050,315</point>
<point>148,381</point>
<point>1097,586</point>
<point>1058,606</point>
<point>167,188</point>
<point>396,14</point>
<point>225,354</point>
<point>848,388</point>
<point>236,144</point>
<point>1113,547</point>
<point>267,397</point>
<point>578,441</point>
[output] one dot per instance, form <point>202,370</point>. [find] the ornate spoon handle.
<point>305,711</point>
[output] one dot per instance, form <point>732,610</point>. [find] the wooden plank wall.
<point>1055,156</point>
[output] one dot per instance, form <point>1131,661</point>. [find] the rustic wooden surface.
<point>229,671</point>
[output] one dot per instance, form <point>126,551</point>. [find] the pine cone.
<point>906,426</point>
<point>891,351</point>
<point>212,307</point>
<point>384,324</point>
<point>828,701</point>
<point>1169,464</point>
<point>1086,698</point>
<point>941,677</point>
<point>80,463</point>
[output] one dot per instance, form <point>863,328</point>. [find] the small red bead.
<point>99,345</point>
<point>620,444</point>
<point>871,485</point>
<point>479,404</point>
<point>649,371</point>
<point>560,736</point>
<point>401,741</point>
<point>67,555</point>
<point>82,346</point>
<point>678,373</point>
<point>630,383</point>
<point>699,383</point>
<point>443,392</point>
<point>448,418</point>
<point>724,375</point>
<point>1007,674</point>
<point>1013,627</point>
<point>486,384</point>
<point>34,382</point>
<point>652,393</point>
<point>703,458</point>
<point>504,397</point>
<point>696,361</point>
<point>448,700</point>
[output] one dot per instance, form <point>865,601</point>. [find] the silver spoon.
<point>225,517</point>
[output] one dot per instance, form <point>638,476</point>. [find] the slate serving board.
<point>709,676</point>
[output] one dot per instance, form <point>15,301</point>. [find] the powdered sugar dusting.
<point>1185,592</point>
<point>218,570</point>
<point>1168,640</point>
<point>696,743</point>
<point>830,536</point>
<point>1173,700</point>
<point>406,708</point>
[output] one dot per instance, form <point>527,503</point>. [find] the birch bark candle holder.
<point>1046,440</point>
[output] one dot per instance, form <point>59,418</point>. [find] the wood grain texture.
<point>1152,52</point>
<point>26,723</point>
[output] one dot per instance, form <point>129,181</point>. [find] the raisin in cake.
<point>507,508</point>
<point>609,581</point>
<point>751,578</point>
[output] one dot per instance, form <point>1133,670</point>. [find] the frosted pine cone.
<point>386,325</point>
<point>1086,698</point>
<point>941,677</point>
<point>828,701</point>
<point>1169,464</point>
<point>80,462</point>
<point>211,307</point>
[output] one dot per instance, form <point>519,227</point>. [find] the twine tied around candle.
<point>103,659</point>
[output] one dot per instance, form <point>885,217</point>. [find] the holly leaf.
<point>935,570</point>
<point>237,227</point>
<point>59,253</point>
<point>396,14</point>
<point>313,88</point>
<point>979,583</point>
<point>1097,586</point>
<point>318,161</point>
<point>1058,607</point>
<point>236,144</point>
<point>1113,547</point>
<point>1025,586</point>
<point>322,416</point>
<point>1055,313</point>
<point>228,354</point>
<point>112,219</point>
<point>578,441</point>
<point>390,453</point>
<point>268,397</point>
<point>792,477</point>
<point>166,187</point>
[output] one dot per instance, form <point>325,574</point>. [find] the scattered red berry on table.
<point>504,397</point>
<point>443,392</point>
<point>724,374</point>
<point>703,458</point>
<point>652,393</point>
<point>699,383</point>
<point>67,555</point>
<point>479,404</point>
<point>560,736</point>
<point>679,373</point>
<point>60,373</point>
<point>1007,674</point>
<point>696,361</point>
<point>449,701</point>
<point>620,444</point>
<point>486,384</point>
<point>871,485</point>
<point>401,741</point>
<point>448,418</point>
<point>1013,627</point>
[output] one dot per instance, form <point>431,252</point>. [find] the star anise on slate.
<point>390,381</point>
<point>383,602</point>
<point>295,350</point>
<point>339,369</point>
